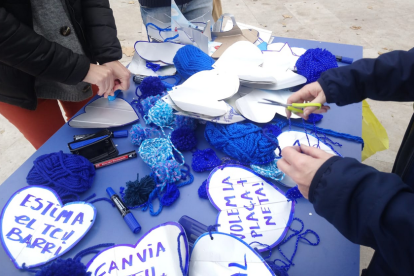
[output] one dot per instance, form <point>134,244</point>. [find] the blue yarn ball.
<point>68,174</point>
<point>149,102</point>
<point>314,118</point>
<point>190,60</point>
<point>314,62</point>
<point>151,86</point>
<point>171,195</point>
<point>60,267</point>
<point>244,142</point>
<point>184,139</point>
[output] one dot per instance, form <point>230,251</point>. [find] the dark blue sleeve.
<point>368,207</point>
<point>390,77</point>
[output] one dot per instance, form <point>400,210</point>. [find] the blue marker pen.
<point>126,214</point>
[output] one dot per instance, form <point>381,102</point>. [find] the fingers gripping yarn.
<point>244,142</point>
<point>68,174</point>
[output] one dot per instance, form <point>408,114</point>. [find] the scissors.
<point>292,107</point>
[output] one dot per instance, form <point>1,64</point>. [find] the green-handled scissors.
<point>292,107</point>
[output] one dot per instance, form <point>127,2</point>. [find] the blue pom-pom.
<point>139,134</point>
<point>202,190</point>
<point>273,129</point>
<point>189,122</point>
<point>151,86</point>
<point>60,267</point>
<point>205,160</point>
<point>171,195</point>
<point>314,62</point>
<point>314,118</point>
<point>184,139</point>
<point>149,102</point>
<point>68,174</point>
<point>190,60</point>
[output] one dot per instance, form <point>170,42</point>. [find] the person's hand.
<point>121,74</point>
<point>102,77</point>
<point>302,167</point>
<point>312,92</point>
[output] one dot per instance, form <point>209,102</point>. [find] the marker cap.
<point>347,60</point>
<point>110,191</point>
<point>132,223</point>
<point>120,133</point>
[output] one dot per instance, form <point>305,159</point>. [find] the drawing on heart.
<point>288,138</point>
<point>163,250</point>
<point>102,113</point>
<point>36,228</point>
<point>250,207</point>
<point>203,93</point>
<point>225,255</point>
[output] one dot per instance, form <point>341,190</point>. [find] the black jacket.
<point>25,55</point>
<point>369,207</point>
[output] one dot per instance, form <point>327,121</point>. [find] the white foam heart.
<point>250,105</point>
<point>154,51</point>
<point>36,228</point>
<point>250,208</point>
<point>288,138</point>
<point>163,250</point>
<point>225,255</point>
<point>102,113</point>
<point>245,59</point>
<point>204,92</point>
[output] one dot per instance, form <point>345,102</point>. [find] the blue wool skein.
<point>184,139</point>
<point>314,62</point>
<point>244,142</point>
<point>151,86</point>
<point>68,174</point>
<point>190,60</point>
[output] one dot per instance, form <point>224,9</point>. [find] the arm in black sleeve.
<point>101,31</point>
<point>23,49</point>
<point>368,207</point>
<point>390,77</point>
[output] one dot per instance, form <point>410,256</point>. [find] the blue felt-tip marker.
<point>126,214</point>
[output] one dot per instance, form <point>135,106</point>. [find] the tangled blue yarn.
<point>205,160</point>
<point>269,170</point>
<point>244,142</point>
<point>153,66</point>
<point>139,133</point>
<point>189,122</point>
<point>184,139</point>
<point>314,62</point>
<point>314,118</point>
<point>171,195</point>
<point>161,114</point>
<point>151,86</point>
<point>202,190</point>
<point>68,174</point>
<point>190,60</point>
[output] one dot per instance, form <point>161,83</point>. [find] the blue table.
<point>335,255</point>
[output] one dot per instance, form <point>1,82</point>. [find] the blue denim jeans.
<point>194,11</point>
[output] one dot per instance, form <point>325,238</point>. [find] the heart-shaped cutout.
<point>288,138</point>
<point>203,93</point>
<point>102,113</point>
<point>250,208</point>
<point>225,255</point>
<point>163,250</point>
<point>154,51</point>
<point>36,228</point>
<point>245,59</point>
<point>251,106</point>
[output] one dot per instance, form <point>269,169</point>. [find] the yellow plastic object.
<point>374,134</point>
